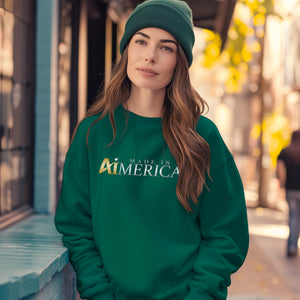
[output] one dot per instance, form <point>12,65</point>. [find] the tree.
<point>242,55</point>
<point>244,44</point>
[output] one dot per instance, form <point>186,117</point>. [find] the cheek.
<point>129,66</point>
<point>130,58</point>
<point>170,68</point>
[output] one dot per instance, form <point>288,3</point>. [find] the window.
<point>17,68</point>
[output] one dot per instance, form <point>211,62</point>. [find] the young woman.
<point>152,205</point>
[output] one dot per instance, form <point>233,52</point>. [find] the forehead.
<point>155,32</point>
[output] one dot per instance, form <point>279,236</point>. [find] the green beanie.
<point>174,16</point>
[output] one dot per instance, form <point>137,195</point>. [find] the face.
<point>152,58</point>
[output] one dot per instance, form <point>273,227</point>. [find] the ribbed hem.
<point>196,295</point>
<point>107,295</point>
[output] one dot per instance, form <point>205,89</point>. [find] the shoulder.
<point>284,154</point>
<point>86,123</point>
<point>79,140</point>
<point>208,130</point>
<point>91,126</point>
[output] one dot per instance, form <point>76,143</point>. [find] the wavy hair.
<point>182,109</point>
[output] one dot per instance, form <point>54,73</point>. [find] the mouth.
<point>147,71</point>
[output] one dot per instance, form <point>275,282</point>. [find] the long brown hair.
<point>182,109</point>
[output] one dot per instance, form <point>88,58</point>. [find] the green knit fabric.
<point>128,236</point>
<point>174,16</point>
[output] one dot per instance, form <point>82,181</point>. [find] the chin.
<point>149,85</point>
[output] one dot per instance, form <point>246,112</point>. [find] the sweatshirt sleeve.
<point>223,226</point>
<point>73,221</point>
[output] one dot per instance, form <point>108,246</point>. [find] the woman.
<point>152,205</point>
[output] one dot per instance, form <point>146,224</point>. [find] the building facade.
<point>54,55</point>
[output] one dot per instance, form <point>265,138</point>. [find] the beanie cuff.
<point>163,17</point>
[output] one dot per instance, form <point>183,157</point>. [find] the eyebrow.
<point>148,37</point>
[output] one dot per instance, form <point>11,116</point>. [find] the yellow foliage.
<point>243,29</point>
<point>244,67</point>
<point>232,86</point>
<point>255,47</point>
<point>262,10</point>
<point>255,131</point>
<point>209,35</point>
<point>225,56</point>
<point>246,55</point>
<point>252,4</point>
<point>250,31</point>
<point>276,134</point>
<point>259,20</point>
<point>236,58</point>
<point>232,34</point>
<point>260,33</point>
<point>244,37</point>
<point>213,50</point>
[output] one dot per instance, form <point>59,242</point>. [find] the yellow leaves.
<point>255,131</point>
<point>210,36</point>
<point>259,20</point>
<point>212,50</point>
<point>232,33</point>
<point>276,134</point>
<point>211,55</point>
<point>250,32</point>
<point>262,9</point>
<point>236,58</point>
<point>244,37</point>
<point>243,29</point>
<point>232,86</point>
<point>233,83</point>
<point>246,55</point>
<point>255,47</point>
<point>252,4</point>
<point>244,67</point>
<point>260,33</point>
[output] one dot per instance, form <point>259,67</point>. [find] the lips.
<point>147,71</point>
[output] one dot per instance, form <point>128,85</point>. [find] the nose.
<point>150,56</point>
<point>150,59</point>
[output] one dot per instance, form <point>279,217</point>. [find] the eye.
<point>168,49</point>
<point>140,42</point>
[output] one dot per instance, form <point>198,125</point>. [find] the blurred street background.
<point>55,55</point>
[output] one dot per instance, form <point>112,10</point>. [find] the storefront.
<point>17,89</point>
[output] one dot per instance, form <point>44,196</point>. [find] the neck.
<point>145,102</point>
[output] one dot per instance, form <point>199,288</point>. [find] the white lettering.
<point>147,170</point>
<point>161,171</point>
<point>123,169</point>
<point>138,168</point>
<point>175,172</point>
<point>156,170</point>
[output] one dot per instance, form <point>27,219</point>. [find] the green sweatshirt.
<point>128,236</point>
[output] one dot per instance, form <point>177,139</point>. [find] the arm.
<point>73,220</point>
<point>223,226</point>
<point>281,172</point>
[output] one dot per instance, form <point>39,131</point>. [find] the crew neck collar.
<point>141,120</point>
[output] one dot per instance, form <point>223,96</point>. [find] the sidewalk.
<point>267,274</point>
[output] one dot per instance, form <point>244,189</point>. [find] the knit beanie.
<point>174,16</point>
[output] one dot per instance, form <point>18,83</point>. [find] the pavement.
<point>267,273</point>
